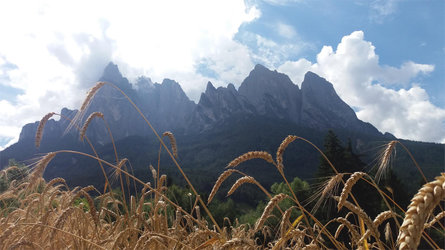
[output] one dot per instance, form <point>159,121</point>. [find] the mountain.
<point>225,123</point>
<point>272,93</point>
<point>216,105</point>
<point>323,109</point>
<point>165,105</point>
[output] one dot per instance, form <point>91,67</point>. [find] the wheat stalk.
<point>241,181</point>
<point>40,168</point>
<point>348,187</point>
<point>355,236</point>
<point>379,219</point>
<point>268,209</point>
<point>438,217</point>
<point>218,183</point>
<point>90,118</point>
<point>251,155</point>
<point>172,139</point>
<point>385,159</point>
<point>421,206</point>
<point>40,128</point>
<point>285,220</point>
<point>330,187</point>
<point>86,102</point>
<point>282,147</point>
<point>360,213</point>
<point>236,243</point>
<point>387,232</point>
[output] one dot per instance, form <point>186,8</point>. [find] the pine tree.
<point>346,161</point>
<point>334,152</point>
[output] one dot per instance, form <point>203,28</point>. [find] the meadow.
<point>48,214</point>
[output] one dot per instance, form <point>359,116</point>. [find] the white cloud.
<point>362,82</point>
<point>60,48</point>
<point>286,30</point>
<point>296,69</point>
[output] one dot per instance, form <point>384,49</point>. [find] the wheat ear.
<point>387,232</point>
<point>241,181</point>
<point>379,219</point>
<point>360,213</point>
<point>90,118</point>
<point>268,209</point>
<point>285,221</point>
<point>172,139</point>
<point>40,167</point>
<point>385,159</point>
<point>330,187</point>
<point>289,139</point>
<point>40,128</point>
<point>218,183</point>
<point>251,155</point>
<point>86,102</point>
<point>153,172</point>
<point>348,187</point>
<point>236,243</point>
<point>421,206</point>
<point>438,217</point>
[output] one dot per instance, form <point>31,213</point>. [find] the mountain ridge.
<point>223,124</point>
<point>263,92</point>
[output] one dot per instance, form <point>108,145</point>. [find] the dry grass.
<point>36,214</point>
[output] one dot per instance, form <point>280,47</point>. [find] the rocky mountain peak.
<point>144,82</point>
<point>272,93</point>
<point>210,88</point>
<point>231,87</point>
<point>314,83</point>
<point>111,71</point>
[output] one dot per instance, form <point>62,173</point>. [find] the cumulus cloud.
<point>60,48</point>
<point>362,82</point>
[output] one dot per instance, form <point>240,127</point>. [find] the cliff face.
<point>323,109</point>
<point>273,94</point>
<point>215,105</point>
<point>263,93</point>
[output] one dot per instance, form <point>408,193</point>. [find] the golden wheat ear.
<point>385,159</point>
<point>241,181</point>
<point>268,209</point>
<point>421,207</point>
<point>251,155</point>
<point>172,139</point>
<point>40,128</point>
<point>218,183</point>
<point>289,139</point>
<point>84,128</point>
<point>85,104</point>
<point>40,168</point>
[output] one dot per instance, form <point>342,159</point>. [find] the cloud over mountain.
<point>365,84</point>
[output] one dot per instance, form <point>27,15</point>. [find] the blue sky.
<point>384,58</point>
<point>410,30</point>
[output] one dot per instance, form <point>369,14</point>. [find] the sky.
<point>386,59</point>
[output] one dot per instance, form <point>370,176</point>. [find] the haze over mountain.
<point>224,123</point>
<point>263,93</point>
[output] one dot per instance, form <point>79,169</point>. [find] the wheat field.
<point>39,214</point>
